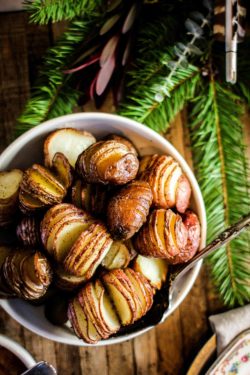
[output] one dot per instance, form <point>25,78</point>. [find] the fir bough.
<point>222,172</point>
<point>45,11</point>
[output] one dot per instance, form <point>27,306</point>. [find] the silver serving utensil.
<point>41,368</point>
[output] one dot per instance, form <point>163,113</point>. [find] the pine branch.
<point>54,94</point>
<point>222,172</point>
<point>147,78</point>
<point>44,11</point>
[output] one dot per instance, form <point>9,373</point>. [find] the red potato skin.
<point>183,194</point>
<point>192,224</point>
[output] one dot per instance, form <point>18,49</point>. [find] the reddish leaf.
<point>109,49</point>
<point>104,75</point>
<point>92,61</point>
<point>109,24</point>
<point>128,23</point>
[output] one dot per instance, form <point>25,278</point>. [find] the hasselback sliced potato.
<point>28,204</point>
<point>68,141</point>
<point>28,232</point>
<point>163,236</point>
<point>88,250</point>
<point>60,228</point>
<point>128,209</point>
<point>66,281</point>
<point>107,162</point>
<point>9,189</point>
<point>42,186</point>
<point>5,290</point>
<point>170,187</point>
<point>192,224</point>
<point>62,169</point>
<point>27,273</point>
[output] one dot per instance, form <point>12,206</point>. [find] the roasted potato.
<point>27,273</point>
<point>70,142</point>
<point>66,281</point>
<point>107,162</point>
<point>28,232</point>
<point>170,187</point>
<point>9,188</point>
<point>192,224</point>
<point>118,256</point>
<point>41,186</point>
<point>163,236</point>
<point>88,251</point>
<point>128,209</point>
<point>5,290</point>
<point>154,269</point>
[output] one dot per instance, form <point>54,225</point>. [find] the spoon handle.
<point>228,235</point>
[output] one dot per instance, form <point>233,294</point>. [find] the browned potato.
<point>107,162</point>
<point>42,186</point>
<point>118,256</point>
<point>28,232</point>
<point>27,273</point>
<point>163,236</point>
<point>5,290</point>
<point>169,185</point>
<point>128,209</point>
<point>125,141</point>
<point>192,224</point>
<point>68,141</point>
<point>66,281</point>
<point>88,251</point>
<point>62,169</point>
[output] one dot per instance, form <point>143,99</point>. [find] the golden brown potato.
<point>40,185</point>
<point>27,273</point>
<point>163,236</point>
<point>169,185</point>
<point>107,162</point>
<point>128,209</point>
<point>192,224</point>
<point>28,232</point>
<point>125,141</point>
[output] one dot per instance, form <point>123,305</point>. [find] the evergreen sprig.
<point>222,172</point>
<point>54,94</point>
<point>45,11</point>
<point>147,78</point>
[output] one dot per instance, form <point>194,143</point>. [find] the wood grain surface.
<point>167,349</point>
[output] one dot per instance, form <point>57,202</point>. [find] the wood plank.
<point>93,360</point>
<point>145,353</point>
<point>120,359</point>
<point>14,84</point>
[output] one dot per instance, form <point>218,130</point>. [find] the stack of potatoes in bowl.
<point>98,222</point>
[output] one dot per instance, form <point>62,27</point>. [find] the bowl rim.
<point>64,122</point>
<point>18,350</point>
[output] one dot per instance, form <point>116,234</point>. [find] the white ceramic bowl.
<point>17,350</point>
<point>27,149</point>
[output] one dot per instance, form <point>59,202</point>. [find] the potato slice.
<point>29,204</point>
<point>62,169</point>
<point>5,290</point>
<point>155,270</point>
<point>68,141</point>
<point>125,141</point>
<point>88,251</point>
<point>65,237</point>
<point>118,256</point>
<point>81,323</point>
<point>66,281</point>
<point>122,295</point>
<point>183,194</point>
<point>9,186</point>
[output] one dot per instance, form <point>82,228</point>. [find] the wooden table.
<point>170,347</point>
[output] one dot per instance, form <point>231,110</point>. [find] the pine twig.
<point>45,11</point>
<point>54,94</point>
<point>222,172</point>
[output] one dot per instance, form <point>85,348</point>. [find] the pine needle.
<point>45,11</point>
<point>54,94</point>
<point>222,172</point>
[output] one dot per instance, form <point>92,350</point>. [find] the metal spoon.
<point>163,298</point>
<point>41,368</point>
